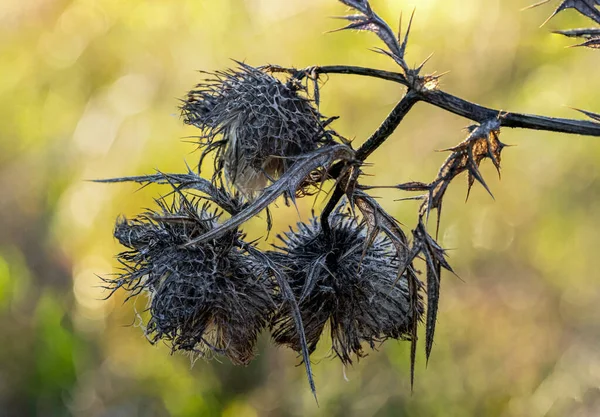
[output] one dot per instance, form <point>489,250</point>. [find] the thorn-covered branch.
<point>465,108</point>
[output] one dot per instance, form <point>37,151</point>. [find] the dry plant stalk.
<point>212,293</point>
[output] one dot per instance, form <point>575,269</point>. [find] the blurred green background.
<point>89,89</point>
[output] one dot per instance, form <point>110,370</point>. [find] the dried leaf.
<point>287,184</point>
<point>580,33</point>
<point>288,296</point>
<point>191,180</point>
<point>435,260</point>
<point>378,221</point>
<point>595,116</point>
<point>585,7</point>
<point>592,36</point>
<point>591,43</point>
<point>368,20</point>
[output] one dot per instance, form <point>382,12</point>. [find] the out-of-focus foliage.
<point>89,89</point>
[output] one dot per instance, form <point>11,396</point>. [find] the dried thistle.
<point>210,298</point>
<point>344,281</point>
<point>211,292</point>
<point>257,125</point>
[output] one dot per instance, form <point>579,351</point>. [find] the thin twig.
<point>464,108</point>
<point>388,126</point>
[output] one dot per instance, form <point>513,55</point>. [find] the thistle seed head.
<point>340,281</point>
<point>255,124</point>
<point>210,298</point>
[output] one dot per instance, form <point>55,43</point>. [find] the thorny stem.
<point>448,102</point>
<point>464,108</point>
<point>388,126</point>
<point>337,194</point>
<point>479,114</point>
<point>439,99</point>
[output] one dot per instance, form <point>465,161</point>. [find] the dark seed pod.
<point>210,298</point>
<point>256,125</point>
<point>337,280</point>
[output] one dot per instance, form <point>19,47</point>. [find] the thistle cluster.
<point>351,269</point>
<point>212,293</point>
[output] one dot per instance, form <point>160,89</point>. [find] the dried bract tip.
<point>591,36</point>
<point>483,142</point>
<point>580,33</point>
<point>435,259</point>
<point>207,299</point>
<point>595,116</point>
<point>591,43</point>
<point>256,125</point>
<point>343,281</point>
<point>585,7</point>
<point>368,20</point>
